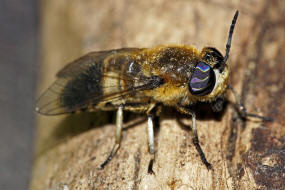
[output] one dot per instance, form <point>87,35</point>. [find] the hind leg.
<point>119,124</point>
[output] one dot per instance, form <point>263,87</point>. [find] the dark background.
<point>18,68</point>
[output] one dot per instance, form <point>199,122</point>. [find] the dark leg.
<point>196,142</point>
<point>119,124</point>
<point>195,135</point>
<point>242,110</point>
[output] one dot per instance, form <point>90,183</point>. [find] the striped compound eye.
<point>202,80</point>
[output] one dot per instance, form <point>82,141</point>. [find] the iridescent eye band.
<point>202,80</point>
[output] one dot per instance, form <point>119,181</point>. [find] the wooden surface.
<point>244,155</point>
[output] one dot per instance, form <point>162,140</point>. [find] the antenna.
<point>229,42</point>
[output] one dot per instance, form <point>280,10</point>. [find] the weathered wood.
<point>244,155</point>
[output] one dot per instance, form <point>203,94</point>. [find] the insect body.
<point>136,79</point>
<point>141,80</point>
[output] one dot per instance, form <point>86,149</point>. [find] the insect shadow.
<point>75,124</point>
<point>204,113</point>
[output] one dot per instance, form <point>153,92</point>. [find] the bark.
<point>244,154</point>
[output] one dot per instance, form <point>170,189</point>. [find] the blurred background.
<point>18,68</point>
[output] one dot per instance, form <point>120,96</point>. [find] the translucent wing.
<point>83,83</point>
<point>83,63</point>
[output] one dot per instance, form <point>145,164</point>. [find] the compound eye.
<point>202,80</point>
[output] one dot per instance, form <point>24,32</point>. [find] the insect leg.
<point>151,113</point>
<point>242,110</point>
<point>196,142</point>
<point>195,135</point>
<point>150,142</point>
<point>119,124</point>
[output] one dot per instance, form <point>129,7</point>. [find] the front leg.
<point>188,111</point>
<point>242,110</point>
